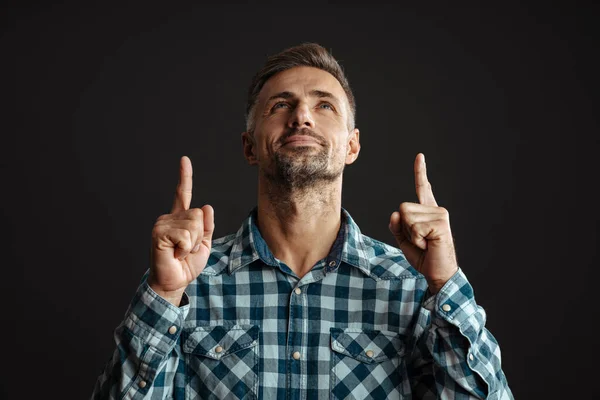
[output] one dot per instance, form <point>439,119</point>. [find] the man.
<point>298,304</point>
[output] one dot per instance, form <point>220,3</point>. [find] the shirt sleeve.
<point>455,356</point>
<point>147,357</point>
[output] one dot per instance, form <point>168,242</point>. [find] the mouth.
<point>298,140</point>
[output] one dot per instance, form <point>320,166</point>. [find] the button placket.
<point>298,326</point>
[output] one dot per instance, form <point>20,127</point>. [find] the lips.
<point>300,139</point>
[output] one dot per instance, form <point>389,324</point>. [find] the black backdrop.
<point>99,103</point>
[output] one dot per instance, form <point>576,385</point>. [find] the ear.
<point>353,146</point>
<point>249,148</point>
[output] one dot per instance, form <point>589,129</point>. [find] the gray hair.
<point>304,55</point>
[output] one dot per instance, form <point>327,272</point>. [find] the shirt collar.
<point>349,247</point>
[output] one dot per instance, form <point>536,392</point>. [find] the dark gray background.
<point>99,103</point>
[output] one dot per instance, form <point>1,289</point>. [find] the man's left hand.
<point>422,231</point>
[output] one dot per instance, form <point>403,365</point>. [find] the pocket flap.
<point>368,346</point>
<point>217,342</point>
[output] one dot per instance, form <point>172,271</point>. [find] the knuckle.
<point>175,216</point>
<point>196,213</point>
<point>186,245</point>
<point>157,230</point>
<point>404,208</point>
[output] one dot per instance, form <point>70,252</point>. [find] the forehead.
<point>301,81</point>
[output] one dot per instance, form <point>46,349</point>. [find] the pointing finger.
<point>424,192</point>
<point>183,195</point>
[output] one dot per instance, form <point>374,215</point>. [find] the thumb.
<point>396,228</point>
<point>411,252</point>
<point>209,225</point>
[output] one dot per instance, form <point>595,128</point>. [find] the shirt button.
<point>332,263</point>
<point>471,357</point>
<point>172,330</point>
<point>142,384</point>
<point>296,355</point>
<point>298,290</point>
<point>218,349</point>
<point>369,353</point>
<point>446,307</point>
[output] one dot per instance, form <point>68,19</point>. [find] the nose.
<point>301,117</point>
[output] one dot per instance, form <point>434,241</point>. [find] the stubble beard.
<point>303,169</point>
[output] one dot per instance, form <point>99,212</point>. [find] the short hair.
<point>304,55</point>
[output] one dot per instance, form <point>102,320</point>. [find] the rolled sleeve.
<point>451,312</point>
<point>156,324</point>
<point>154,320</point>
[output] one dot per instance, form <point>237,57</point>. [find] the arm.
<point>146,361</point>
<point>455,356</point>
<point>147,354</point>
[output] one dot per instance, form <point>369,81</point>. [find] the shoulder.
<point>220,254</point>
<point>385,261</point>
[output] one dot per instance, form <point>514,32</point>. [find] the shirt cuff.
<point>455,304</point>
<point>154,320</point>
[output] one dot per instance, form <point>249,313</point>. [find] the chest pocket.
<point>221,362</point>
<point>367,364</point>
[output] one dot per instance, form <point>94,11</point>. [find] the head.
<point>300,118</point>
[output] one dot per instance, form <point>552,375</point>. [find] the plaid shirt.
<point>359,325</point>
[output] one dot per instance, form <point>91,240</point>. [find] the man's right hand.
<point>181,241</point>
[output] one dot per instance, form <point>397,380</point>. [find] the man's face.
<point>301,134</point>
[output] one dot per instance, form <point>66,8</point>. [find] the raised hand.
<point>181,241</point>
<point>422,231</point>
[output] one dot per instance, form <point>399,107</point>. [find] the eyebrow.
<point>323,94</point>
<point>314,93</point>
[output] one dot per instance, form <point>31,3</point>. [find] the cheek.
<point>264,146</point>
<point>343,151</point>
<point>274,121</point>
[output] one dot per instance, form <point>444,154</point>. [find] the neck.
<point>299,224</point>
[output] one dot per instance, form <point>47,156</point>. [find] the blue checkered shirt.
<point>359,325</point>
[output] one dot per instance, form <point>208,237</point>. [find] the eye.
<point>278,105</point>
<point>326,106</point>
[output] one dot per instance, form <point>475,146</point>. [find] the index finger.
<point>183,195</point>
<point>424,192</point>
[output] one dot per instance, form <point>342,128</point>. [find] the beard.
<point>304,167</point>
